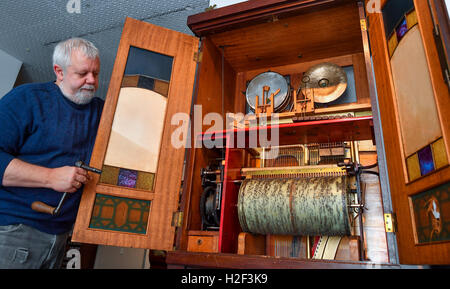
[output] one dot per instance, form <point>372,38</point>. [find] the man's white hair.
<point>63,51</point>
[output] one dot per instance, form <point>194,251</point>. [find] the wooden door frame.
<point>409,252</point>
<point>165,196</point>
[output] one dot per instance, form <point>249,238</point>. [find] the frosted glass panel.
<point>419,120</point>
<point>137,130</point>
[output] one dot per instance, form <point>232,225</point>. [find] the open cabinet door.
<point>132,202</point>
<point>414,106</point>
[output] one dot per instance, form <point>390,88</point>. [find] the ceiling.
<point>29,30</point>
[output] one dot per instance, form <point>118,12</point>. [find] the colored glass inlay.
<point>161,87</point>
<point>120,214</point>
<point>398,18</point>
<point>130,81</point>
<point>392,44</point>
<point>425,160</point>
<point>402,29</point>
<point>439,153</point>
<point>146,82</point>
<point>393,11</point>
<point>411,19</point>
<point>109,175</point>
<point>413,167</point>
<point>127,178</point>
<point>432,214</point>
<point>142,81</point>
<point>145,181</point>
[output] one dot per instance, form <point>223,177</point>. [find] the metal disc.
<point>328,81</point>
<point>275,81</point>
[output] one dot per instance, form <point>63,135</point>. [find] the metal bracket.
<point>198,56</point>
<point>363,23</point>
<point>177,219</point>
<point>389,223</point>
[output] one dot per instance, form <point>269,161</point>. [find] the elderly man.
<point>46,128</point>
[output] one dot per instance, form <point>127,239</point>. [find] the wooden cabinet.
<point>170,150</point>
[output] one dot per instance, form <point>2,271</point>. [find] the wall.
<point>222,3</point>
<point>9,69</point>
<point>109,257</point>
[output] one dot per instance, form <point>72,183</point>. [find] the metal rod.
<point>356,206</point>
<point>308,248</point>
<point>360,219</point>
<point>58,207</point>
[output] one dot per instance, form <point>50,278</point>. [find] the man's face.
<point>79,80</point>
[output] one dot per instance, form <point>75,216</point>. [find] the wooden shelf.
<point>320,131</point>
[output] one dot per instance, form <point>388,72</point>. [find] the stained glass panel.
<point>426,160</point>
<point>439,153</point>
<point>120,214</point>
<point>402,29</point>
<point>413,167</point>
<point>127,178</point>
<point>393,11</point>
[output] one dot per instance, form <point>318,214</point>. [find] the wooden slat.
<point>299,68</point>
<point>251,12</point>
<point>320,131</point>
<point>233,261</point>
<point>124,192</point>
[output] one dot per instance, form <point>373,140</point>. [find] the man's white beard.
<point>82,96</point>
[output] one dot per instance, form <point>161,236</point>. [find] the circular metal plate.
<point>328,80</point>
<point>275,81</point>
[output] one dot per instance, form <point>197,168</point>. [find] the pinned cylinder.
<point>305,206</point>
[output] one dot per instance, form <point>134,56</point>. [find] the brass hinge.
<point>177,219</point>
<point>198,56</point>
<point>389,223</point>
<point>363,23</point>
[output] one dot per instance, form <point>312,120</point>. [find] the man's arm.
<point>64,179</point>
<point>16,120</point>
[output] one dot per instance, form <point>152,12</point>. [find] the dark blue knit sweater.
<point>40,126</point>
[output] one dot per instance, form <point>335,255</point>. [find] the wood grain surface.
<point>165,197</point>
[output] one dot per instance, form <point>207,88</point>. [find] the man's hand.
<point>64,179</point>
<point>68,179</point>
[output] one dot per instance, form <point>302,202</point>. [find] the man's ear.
<point>59,72</point>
